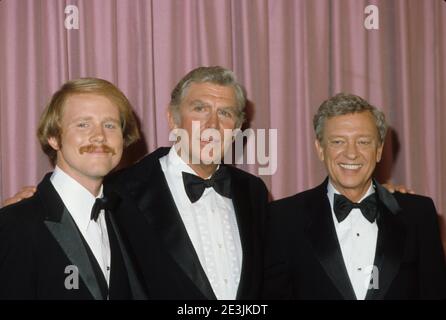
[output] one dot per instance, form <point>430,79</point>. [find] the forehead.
<point>210,92</point>
<point>358,123</point>
<point>89,104</point>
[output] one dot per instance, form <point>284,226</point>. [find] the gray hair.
<point>216,75</point>
<point>345,103</point>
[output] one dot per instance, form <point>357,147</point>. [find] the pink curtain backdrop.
<point>291,55</point>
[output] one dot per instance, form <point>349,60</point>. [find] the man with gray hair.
<point>349,238</point>
<point>194,224</point>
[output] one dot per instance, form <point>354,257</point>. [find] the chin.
<point>100,172</point>
<point>349,184</point>
<point>348,181</point>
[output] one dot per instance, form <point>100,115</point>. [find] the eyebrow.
<point>90,118</point>
<point>112,119</point>
<point>200,102</point>
<point>344,136</point>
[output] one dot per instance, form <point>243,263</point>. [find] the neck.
<point>204,170</point>
<point>92,184</point>
<point>93,187</point>
<point>354,194</point>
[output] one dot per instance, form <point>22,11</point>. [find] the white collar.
<point>331,191</point>
<point>76,198</point>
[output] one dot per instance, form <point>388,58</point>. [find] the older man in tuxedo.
<point>349,238</point>
<point>62,243</point>
<point>195,225</point>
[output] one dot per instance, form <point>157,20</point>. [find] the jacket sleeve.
<point>16,260</point>
<point>432,268</point>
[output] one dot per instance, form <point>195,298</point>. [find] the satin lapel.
<point>63,228</point>
<point>322,235</point>
<point>138,292</point>
<point>243,211</point>
<point>390,243</point>
<point>155,201</point>
<point>66,234</point>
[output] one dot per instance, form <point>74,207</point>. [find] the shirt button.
<point>357,234</point>
<point>359,269</point>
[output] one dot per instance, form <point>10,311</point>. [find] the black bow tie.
<point>343,206</point>
<point>99,204</point>
<point>195,186</point>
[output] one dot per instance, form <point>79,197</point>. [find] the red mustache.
<point>92,148</point>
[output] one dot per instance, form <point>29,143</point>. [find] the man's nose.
<point>98,135</point>
<point>351,150</point>
<point>213,121</point>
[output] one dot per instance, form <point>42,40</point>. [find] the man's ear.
<point>52,141</point>
<point>319,149</point>
<point>171,119</point>
<point>379,152</point>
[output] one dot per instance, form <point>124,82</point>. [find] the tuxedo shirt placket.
<point>357,239</point>
<point>211,225</point>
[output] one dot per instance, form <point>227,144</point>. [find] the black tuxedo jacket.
<point>39,240</point>
<point>155,232</point>
<point>304,259</point>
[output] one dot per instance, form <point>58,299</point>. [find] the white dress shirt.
<point>212,227</point>
<point>357,238</point>
<point>79,202</point>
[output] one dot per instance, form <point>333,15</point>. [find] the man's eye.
<point>336,142</point>
<point>110,125</point>
<point>82,125</point>
<point>364,142</point>
<point>225,113</point>
<point>198,108</point>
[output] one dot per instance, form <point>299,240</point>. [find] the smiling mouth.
<point>350,166</point>
<point>99,150</point>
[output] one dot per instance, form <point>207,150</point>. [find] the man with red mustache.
<point>349,238</point>
<point>62,243</point>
